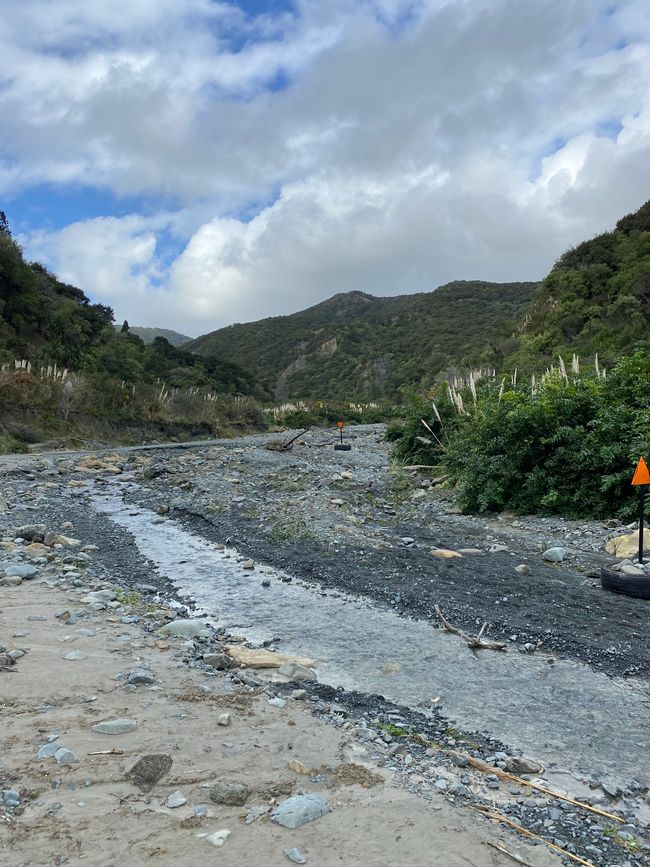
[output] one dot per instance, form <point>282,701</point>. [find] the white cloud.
<point>396,154</point>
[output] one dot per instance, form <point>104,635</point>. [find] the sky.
<point>194,163</point>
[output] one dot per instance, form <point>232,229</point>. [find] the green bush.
<point>568,446</point>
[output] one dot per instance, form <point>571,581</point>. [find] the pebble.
<point>276,701</point>
<point>218,838</point>
<point>295,855</point>
<point>75,655</point>
<point>176,799</point>
<point>65,757</point>
<point>522,569</point>
<point>224,719</point>
<point>47,751</point>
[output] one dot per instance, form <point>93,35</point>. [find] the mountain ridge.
<point>356,346</point>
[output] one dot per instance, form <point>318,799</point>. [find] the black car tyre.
<point>636,586</point>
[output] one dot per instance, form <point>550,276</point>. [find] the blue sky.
<point>198,163</point>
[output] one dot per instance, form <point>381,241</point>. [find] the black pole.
<point>642,491</point>
<point>341,429</point>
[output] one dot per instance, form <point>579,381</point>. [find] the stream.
<point>559,712</point>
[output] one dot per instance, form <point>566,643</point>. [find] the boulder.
<point>445,554</point>
<point>186,629</point>
<point>627,546</point>
<point>262,658</point>
<point>230,793</point>
<point>299,810</point>
<point>555,554</point>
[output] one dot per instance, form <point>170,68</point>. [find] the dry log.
<point>513,778</point>
<point>499,817</point>
<point>288,444</point>
<point>475,643</point>
<point>504,851</point>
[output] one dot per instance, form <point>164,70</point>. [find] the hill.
<point>356,346</point>
<point>148,335</point>
<point>596,299</point>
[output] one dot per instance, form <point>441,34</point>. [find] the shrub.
<point>567,445</point>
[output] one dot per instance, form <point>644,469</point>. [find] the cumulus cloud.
<point>383,145</point>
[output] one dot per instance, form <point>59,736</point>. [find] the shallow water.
<point>560,712</point>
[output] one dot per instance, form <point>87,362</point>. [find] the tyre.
<point>636,586</point>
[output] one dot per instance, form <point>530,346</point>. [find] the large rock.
<point>186,629</point>
<point>146,772</point>
<point>520,765</point>
<point>299,810</point>
<point>21,570</point>
<point>28,531</point>
<point>295,672</point>
<point>262,658</point>
<point>555,554</point>
<point>230,793</point>
<point>627,546</point>
<point>115,727</point>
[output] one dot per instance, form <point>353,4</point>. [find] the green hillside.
<point>148,335</point>
<point>356,346</point>
<point>595,300</point>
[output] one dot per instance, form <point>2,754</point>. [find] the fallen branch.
<point>475,643</point>
<point>499,817</point>
<point>113,752</point>
<point>288,445</point>
<point>504,851</point>
<point>505,775</point>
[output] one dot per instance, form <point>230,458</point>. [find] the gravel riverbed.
<point>347,525</point>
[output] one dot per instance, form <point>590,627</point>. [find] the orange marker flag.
<point>339,424</point>
<point>641,474</point>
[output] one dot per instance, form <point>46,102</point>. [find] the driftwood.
<point>475,643</point>
<point>504,775</point>
<point>504,851</point>
<point>288,444</point>
<point>499,817</point>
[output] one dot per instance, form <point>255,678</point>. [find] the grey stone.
<point>219,661</point>
<point>299,810</point>
<point>176,799</point>
<point>295,855</point>
<point>299,694</point>
<point>224,719</point>
<point>297,672</point>
<point>276,701</point>
<point>141,677</point>
<point>75,655</point>
<point>21,571</point>
<point>10,797</point>
<point>47,751</point>
<point>11,581</point>
<point>554,555</point>
<point>498,549</point>
<point>200,811</point>
<point>115,726</point>
<point>522,569</point>
<point>28,531</point>
<point>15,654</point>
<point>186,629</point>
<point>148,770</point>
<point>101,596</point>
<point>65,757</point>
<point>442,785</point>
<point>230,793</point>
<point>519,765</point>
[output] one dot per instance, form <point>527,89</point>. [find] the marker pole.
<point>642,490</point>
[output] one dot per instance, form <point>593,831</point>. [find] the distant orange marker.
<point>340,424</point>
<point>641,474</point>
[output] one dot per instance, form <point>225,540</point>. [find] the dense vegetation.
<point>358,347</point>
<point>148,335</point>
<point>567,442</point>
<point>595,300</point>
<point>62,360</point>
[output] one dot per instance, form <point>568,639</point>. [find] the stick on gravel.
<point>499,817</point>
<point>504,775</point>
